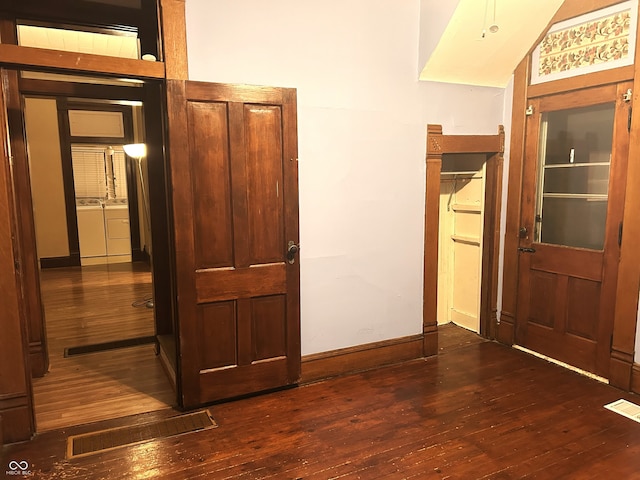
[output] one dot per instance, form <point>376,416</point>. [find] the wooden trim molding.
<point>344,361</point>
<point>491,228</point>
<point>431,234</point>
<point>56,262</point>
<point>16,410</point>
<point>635,378</point>
<point>506,325</point>
<point>626,302</point>
<point>615,75</point>
<point>40,58</point>
<point>17,422</point>
<point>174,39</point>
<point>26,234</point>
<point>437,145</point>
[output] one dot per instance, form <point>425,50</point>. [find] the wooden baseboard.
<point>166,353</point>
<point>138,255</point>
<point>17,418</point>
<point>362,357</point>
<point>635,378</point>
<point>620,370</point>
<point>56,262</point>
<point>38,360</point>
<point>505,330</point>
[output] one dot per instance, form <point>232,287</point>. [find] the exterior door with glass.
<point>571,222</point>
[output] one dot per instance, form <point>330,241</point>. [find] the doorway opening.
<point>95,227</point>
<point>462,232</point>
<point>462,208</point>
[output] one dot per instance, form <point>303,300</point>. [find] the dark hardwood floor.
<point>477,410</point>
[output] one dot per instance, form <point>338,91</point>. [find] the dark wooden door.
<point>233,156</point>
<point>573,198</point>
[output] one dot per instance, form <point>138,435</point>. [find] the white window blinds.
<point>90,172</point>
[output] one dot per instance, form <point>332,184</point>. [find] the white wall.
<point>362,119</point>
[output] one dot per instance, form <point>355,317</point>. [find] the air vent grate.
<point>88,443</point>
<point>625,408</point>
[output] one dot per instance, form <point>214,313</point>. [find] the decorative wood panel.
<point>265,188</point>
<point>269,327</point>
<point>213,223</point>
<point>218,327</point>
<point>542,298</point>
<point>583,308</point>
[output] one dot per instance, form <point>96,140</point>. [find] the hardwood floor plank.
<point>89,305</point>
<point>478,410</point>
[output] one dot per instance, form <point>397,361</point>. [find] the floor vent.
<point>102,440</point>
<point>625,408</point>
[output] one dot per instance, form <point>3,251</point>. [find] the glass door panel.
<point>574,161</point>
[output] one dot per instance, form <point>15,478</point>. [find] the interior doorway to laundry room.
<point>92,219</point>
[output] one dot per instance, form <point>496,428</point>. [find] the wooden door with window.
<point>576,152</point>
<point>233,156</point>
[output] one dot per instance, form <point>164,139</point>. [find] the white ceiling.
<point>464,56</point>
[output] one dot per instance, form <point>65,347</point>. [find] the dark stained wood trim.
<point>15,421</point>
<point>612,249</point>
<point>635,378</point>
<point>56,262</point>
<point>431,234</point>
<point>187,372</point>
<point>491,241</point>
<point>18,421</point>
<point>162,258</point>
<point>67,178</point>
<point>235,93</point>
<point>626,297</point>
<point>27,253</point>
<point>615,75</point>
<point>30,86</point>
<point>344,361</point>
<point>292,227</point>
<point>76,12</point>
<point>42,59</point>
<point>149,29</point>
<point>506,324</point>
<point>174,39</point>
<point>471,143</point>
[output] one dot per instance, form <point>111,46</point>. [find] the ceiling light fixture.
<point>493,28</point>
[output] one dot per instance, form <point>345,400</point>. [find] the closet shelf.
<point>467,240</point>
<point>466,208</point>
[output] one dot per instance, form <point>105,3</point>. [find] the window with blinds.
<point>90,177</point>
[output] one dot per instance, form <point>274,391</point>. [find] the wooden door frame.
<point>16,399</point>
<point>623,373</point>
<point>437,145</point>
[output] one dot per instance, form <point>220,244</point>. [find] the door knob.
<point>292,250</point>
<point>526,250</point>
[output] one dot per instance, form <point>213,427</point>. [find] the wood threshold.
<point>40,58</point>
<point>348,360</point>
